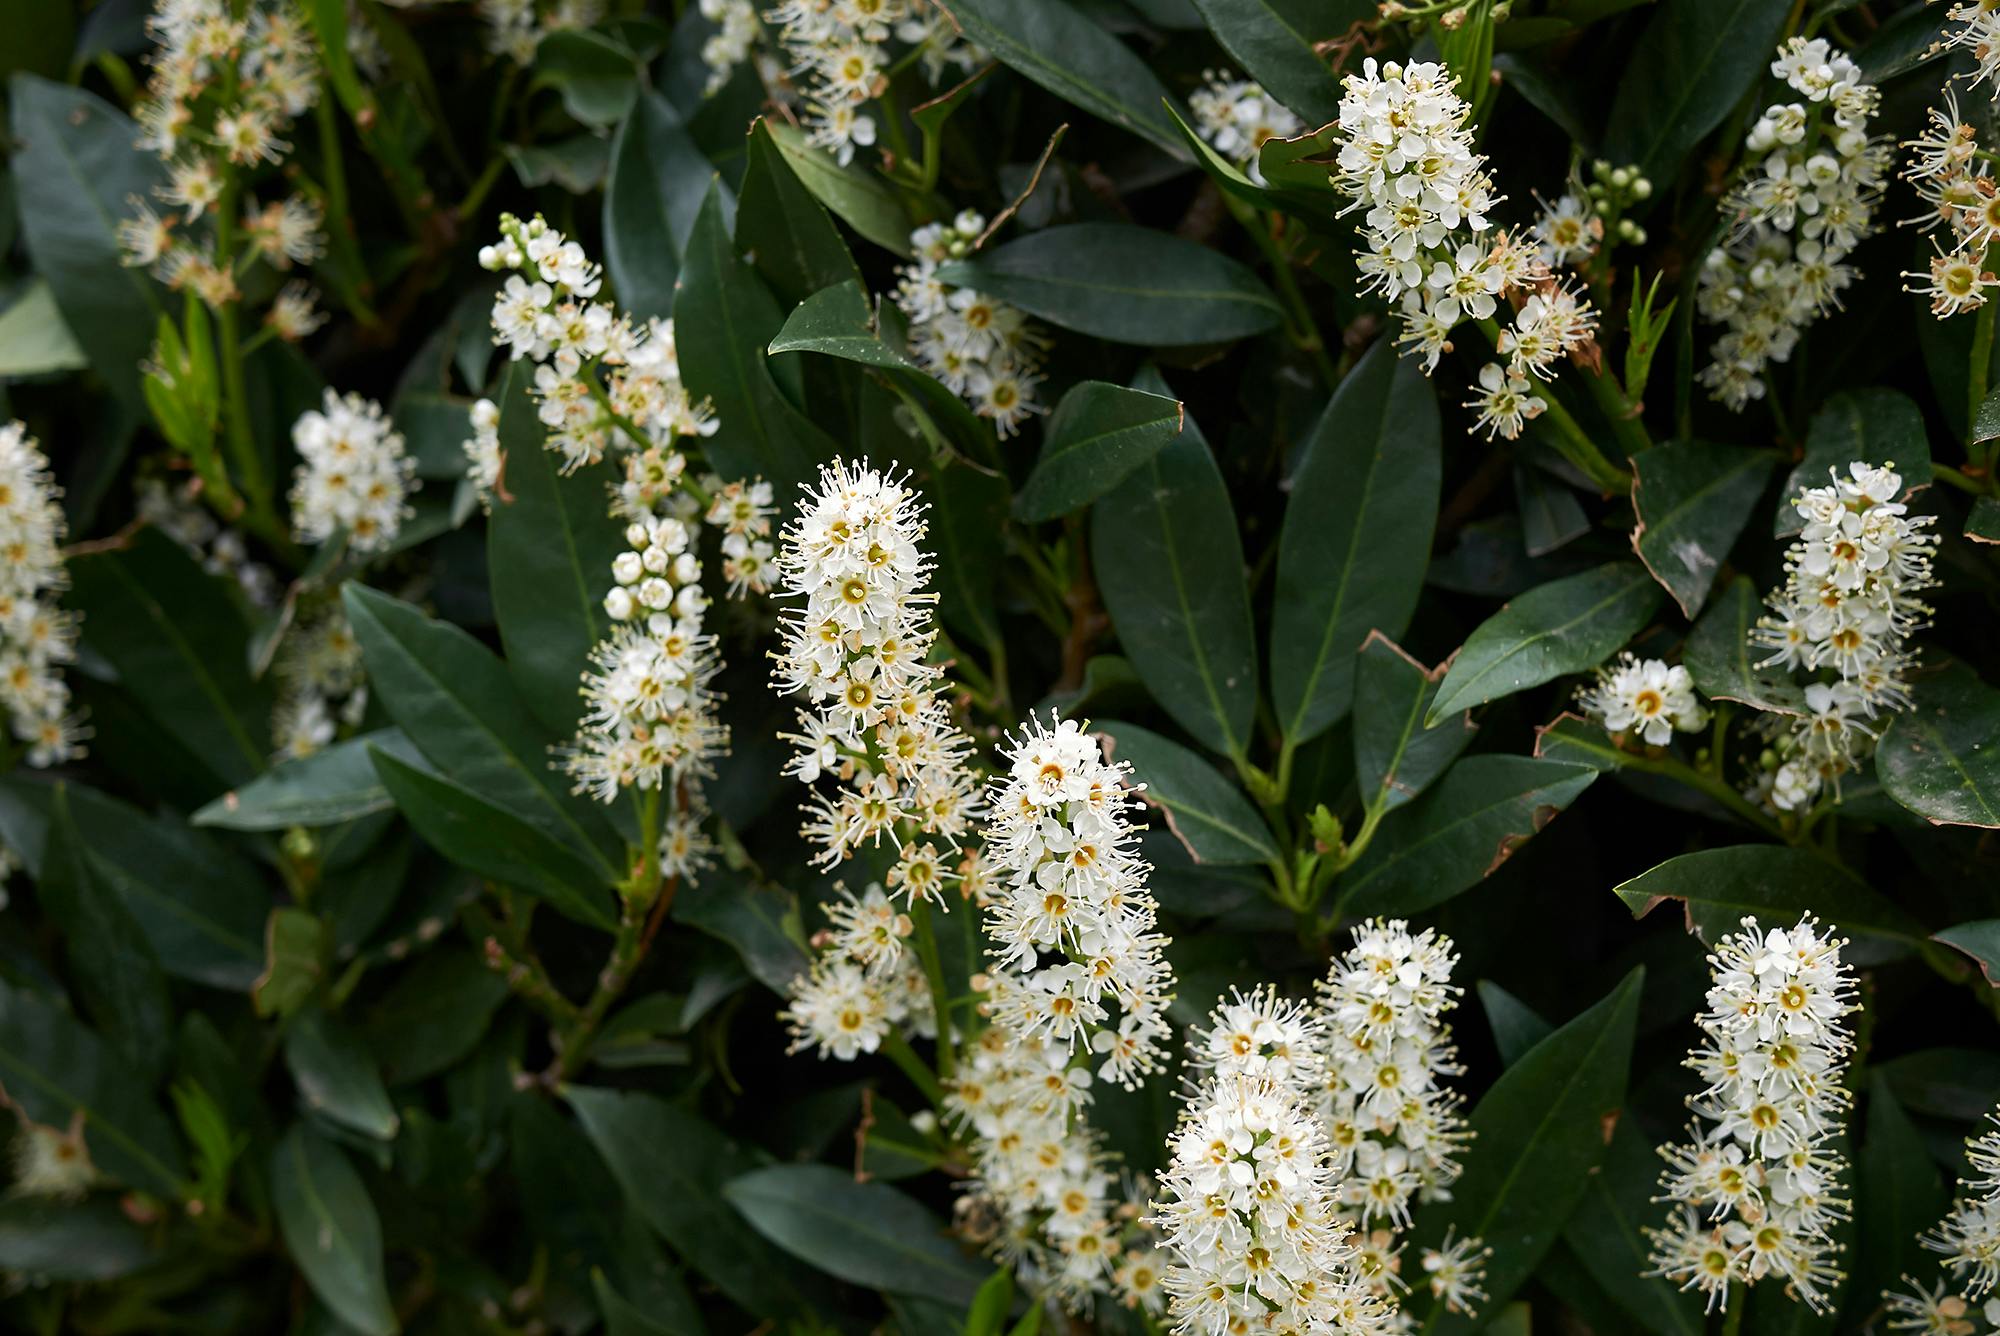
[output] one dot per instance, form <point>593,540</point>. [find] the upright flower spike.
<point>352,475</point>
<point>1755,1187</point>
<point>322,682</point>
<point>1407,165</point>
<point>1952,173</point>
<point>1962,1303</point>
<point>1238,118</point>
<point>1805,197</point>
<point>36,636</point>
<point>841,56</point>
<point>1247,1215</point>
<point>1852,598</point>
<point>981,349</point>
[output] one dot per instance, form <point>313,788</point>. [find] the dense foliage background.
<point>399,1035</point>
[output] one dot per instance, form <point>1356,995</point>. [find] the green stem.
<point>898,1051</point>
<point>1945,473</point>
<point>1302,327</point>
<point>927,953</point>
<point>1620,412</point>
<point>235,397</point>
<point>1568,437</point>
<point>1979,368</point>
<point>892,123</point>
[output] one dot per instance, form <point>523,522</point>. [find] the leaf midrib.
<point>171,633</point>
<point>1522,645</point>
<point>1187,621</point>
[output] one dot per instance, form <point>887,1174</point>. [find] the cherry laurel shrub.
<point>993,667</point>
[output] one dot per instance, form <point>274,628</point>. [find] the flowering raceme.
<point>841,56</point>
<point>1804,200</point>
<point>1755,1185</point>
<point>1644,697</point>
<point>36,636</point>
<point>981,349</point>
<point>1969,1240</point>
<point>352,476</point>
<point>1238,117</point>
<point>1952,173</point>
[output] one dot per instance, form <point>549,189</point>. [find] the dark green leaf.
<point>1123,283</point>
<point>1980,940</point>
<point>456,701</point>
<point>760,920</point>
<point>337,1076</point>
<point>1899,1196</point>
<point>1564,627</point>
<point>1516,1027</point>
<point>1450,839</point>
<point>672,1166</point>
<point>655,189</point>
<point>331,1230</point>
<point>1701,57</point>
<point>1872,426</point>
<point>295,944</point>
<point>1693,500</point>
<point>1395,756</point>
<point>1722,662</point>
<point>968,516</point>
<point>1551,516</point>
<point>1721,886</point>
<point>1540,1131</point>
<point>1606,1232</point>
<point>1941,757</point>
<point>90,1240</point>
<point>54,1070</point>
<point>1099,434</point>
<point>596,70</point>
<point>1983,524</point>
<point>760,431</point>
<point>624,1319</point>
<point>863,200</point>
<point>1356,537</point>
<point>495,842</point>
<point>77,167</point>
<point>1169,565</point>
<point>179,647</point>
<point>1273,40</point>
<point>332,785</point>
<point>434,1014</point>
<point>1058,46</point>
<point>865,1233</point>
<point>1962,1084</point>
<point>784,230</point>
<point>1205,811</point>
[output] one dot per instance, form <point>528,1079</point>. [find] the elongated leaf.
<point>434,1014</point>
<point>1541,1133</point>
<point>331,1230</point>
<point>1693,500</point>
<point>968,514</point>
<point>1273,40</point>
<point>1395,756</point>
<point>1450,839</point>
<point>1702,57</point>
<point>1962,1084</point>
<point>179,648</point>
<point>1563,627</point>
<point>784,230</point>
<point>866,1233</point>
<point>760,920</point>
<point>1356,538</point>
<point>1098,435</point>
<point>495,842</point>
<point>1776,884</point>
<point>1124,283</point>
<point>672,1166</point>
<point>760,431</point>
<point>338,1077</point>
<point>54,1069</point>
<point>1900,1195</point>
<point>549,547</point>
<point>861,199</point>
<point>1169,565</point>
<point>625,1319</point>
<point>332,785</point>
<point>1206,812</point>
<point>77,167</point>
<point>456,701</point>
<point>658,178</point>
<point>1606,1231</point>
<point>1980,940</point>
<point>1941,757</point>
<point>34,341</point>
<point>1722,662</point>
<point>90,1240</point>
<point>1871,426</point>
<point>1058,46</point>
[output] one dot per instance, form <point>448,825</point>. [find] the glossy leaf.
<point>1097,437</point>
<point>1541,1128</point>
<point>1396,757</point>
<point>57,1071</point>
<point>1776,884</point>
<point>1980,940</point>
<point>433,1014</point>
<point>1941,757</point>
<point>1693,500</point>
<point>89,1240</point>
<point>1702,57</point>
<point>1606,1231</point>
<point>1899,1195</point>
<point>1169,566</point>
<point>1061,48</point>
<point>335,784</point>
<point>1207,813</point>
<point>338,1077</point>
<point>784,230</point>
<point>968,516</point>
<point>861,199</point>
<point>1567,626</point>
<point>1871,426</point>
<point>1356,537</point>
<point>760,920</point>
<point>331,1229</point>
<point>1273,40</point>
<point>657,181</point>
<point>1723,663</point>
<point>1457,834</point>
<point>865,1233</point>
<point>1124,284</point>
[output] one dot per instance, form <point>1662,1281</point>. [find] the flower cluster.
<point>1953,174</point>
<point>1407,164</point>
<point>980,348</point>
<point>222,551</point>
<point>841,55</point>
<point>226,83</point>
<point>1247,1215</point>
<point>322,684</point>
<point>1804,200</point>
<point>1969,1240</point>
<point>1574,228</point>
<point>1755,1184</point>
<point>352,474</point>
<point>36,637</point>
<point>734,39</point>
<point>53,1163</point>
<point>864,981</point>
<point>1644,697</point>
<point>856,644</point>
<point>1237,116</point>
<point>514,28</point>
<point>1851,599</point>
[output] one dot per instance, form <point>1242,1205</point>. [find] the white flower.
<point>352,474</point>
<point>36,636</point>
<point>980,348</point>
<point>1237,116</point>
<point>1645,697</point>
<point>321,682</point>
